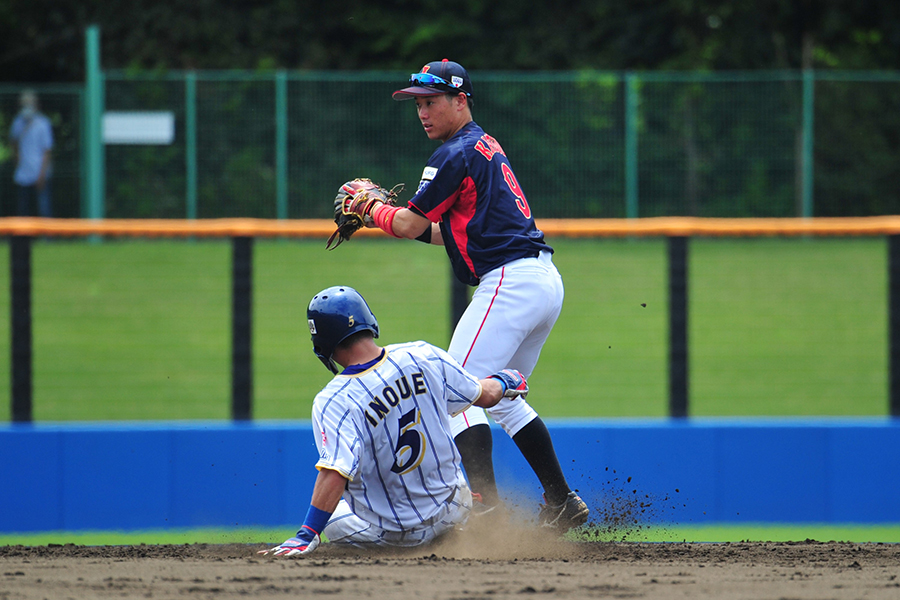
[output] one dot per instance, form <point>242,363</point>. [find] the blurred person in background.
<point>31,137</point>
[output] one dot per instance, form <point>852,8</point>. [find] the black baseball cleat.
<point>570,514</point>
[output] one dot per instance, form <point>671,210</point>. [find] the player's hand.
<point>359,201</point>
<point>353,206</point>
<point>306,541</point>
<point>514,384</point>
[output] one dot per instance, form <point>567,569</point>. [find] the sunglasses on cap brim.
<point>429,80</point>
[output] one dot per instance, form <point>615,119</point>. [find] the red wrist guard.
<point>383,216</point>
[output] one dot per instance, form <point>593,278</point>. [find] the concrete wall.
<point>131,476</point>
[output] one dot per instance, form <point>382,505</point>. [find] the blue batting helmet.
<point>334,314</point>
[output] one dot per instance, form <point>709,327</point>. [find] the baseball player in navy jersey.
<point>470,201</point>
<point>389,470</point>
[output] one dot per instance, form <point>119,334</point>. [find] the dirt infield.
<point>465,567</point>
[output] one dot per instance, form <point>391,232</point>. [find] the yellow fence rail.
<point>312,228</point>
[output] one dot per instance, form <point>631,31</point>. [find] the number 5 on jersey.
<point>410,447</point>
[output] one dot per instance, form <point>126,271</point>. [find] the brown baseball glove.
<point>354,202</point>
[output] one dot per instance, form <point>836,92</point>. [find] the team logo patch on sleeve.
<point>427,175</point>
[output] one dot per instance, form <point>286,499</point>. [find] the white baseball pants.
<point>505,326</point>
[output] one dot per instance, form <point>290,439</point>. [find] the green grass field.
<point>141,329</point>
<point>663,533</point>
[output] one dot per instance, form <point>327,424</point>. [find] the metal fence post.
<point>94,90</point>
<point>632,101</point>
<point>20,286</point>
<point>809,86</point>
<point>281,144</point>
<point>190,143</point>
<point>894,324</point>
<point>678,334</point>
<point>241,328</point>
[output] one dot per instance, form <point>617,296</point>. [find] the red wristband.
<point>383,216</point>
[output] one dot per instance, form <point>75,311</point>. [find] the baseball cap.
<point>435,78</point>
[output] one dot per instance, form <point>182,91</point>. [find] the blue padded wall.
<point>132,476</point>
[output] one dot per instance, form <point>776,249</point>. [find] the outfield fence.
<point>242,232</point>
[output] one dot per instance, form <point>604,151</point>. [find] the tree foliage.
<point>44,39</point>
<point>694,157</point>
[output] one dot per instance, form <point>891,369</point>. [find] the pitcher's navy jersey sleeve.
<point>469,187</point>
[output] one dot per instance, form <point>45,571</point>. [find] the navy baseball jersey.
<point>469,188</point>
<point>385,427</point>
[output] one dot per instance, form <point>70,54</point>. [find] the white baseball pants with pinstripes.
<point>345,527</point>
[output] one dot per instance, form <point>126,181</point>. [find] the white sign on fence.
<point>138,127</point>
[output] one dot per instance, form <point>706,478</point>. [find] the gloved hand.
<point>353,206</point>
<point>306,541</point>
<point>514,384</point>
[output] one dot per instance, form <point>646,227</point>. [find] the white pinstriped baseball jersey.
<point>387,430</point>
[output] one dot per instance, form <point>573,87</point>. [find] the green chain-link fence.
<point>591,144</point>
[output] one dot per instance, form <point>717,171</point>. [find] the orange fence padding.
<point>167,227</point>
<point>696,226</point>
<point>322,228</point>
